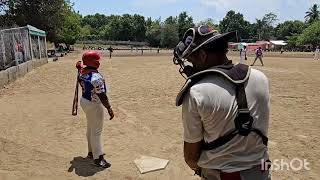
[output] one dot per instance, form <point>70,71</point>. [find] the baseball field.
<point>40,139</point>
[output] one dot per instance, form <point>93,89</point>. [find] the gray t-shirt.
<point>208,112</point>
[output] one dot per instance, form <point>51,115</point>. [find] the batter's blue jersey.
<point>92,83</point>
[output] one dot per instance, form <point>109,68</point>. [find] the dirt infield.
<point>39,139</point>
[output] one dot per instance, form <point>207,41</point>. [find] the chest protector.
<point>238,75</point>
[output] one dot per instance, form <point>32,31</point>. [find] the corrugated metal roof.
<point>279,42</point>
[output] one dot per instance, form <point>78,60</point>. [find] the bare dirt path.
<point>39,137</point>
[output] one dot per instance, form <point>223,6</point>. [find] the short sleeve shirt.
<point>259,52</point>
<point>92,84</point>
<point>208,112</point>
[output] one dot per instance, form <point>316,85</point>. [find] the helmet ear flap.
<point>97,64</point>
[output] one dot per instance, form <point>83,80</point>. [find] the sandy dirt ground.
<point>39,139</point>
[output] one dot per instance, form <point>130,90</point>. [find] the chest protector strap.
<point>238,75</point>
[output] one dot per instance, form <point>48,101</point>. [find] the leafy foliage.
<point>311,35</point>
<point>64,25</point>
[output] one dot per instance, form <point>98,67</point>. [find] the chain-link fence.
<point>18,45</point>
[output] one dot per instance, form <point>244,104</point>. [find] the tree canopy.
<point>313,14</point>
<point>311,35</point>
<point>235,22</point>
<point>64,24</point>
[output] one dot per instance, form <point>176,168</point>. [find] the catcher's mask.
<point>193,39</point>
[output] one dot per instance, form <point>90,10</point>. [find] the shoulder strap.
<point>236,74</point>
<point>241,97</point>
<point>243,119</point>
<point>242,108</point>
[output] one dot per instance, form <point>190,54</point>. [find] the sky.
<point>198,9</point>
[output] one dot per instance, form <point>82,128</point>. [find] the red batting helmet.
<point>91,58</point>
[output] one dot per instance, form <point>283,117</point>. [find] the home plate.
<point>147,164</point>
<point>302,136</point>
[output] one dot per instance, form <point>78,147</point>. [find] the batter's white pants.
<point>95,115</point>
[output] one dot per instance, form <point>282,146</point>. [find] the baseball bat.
<point>75,98</point>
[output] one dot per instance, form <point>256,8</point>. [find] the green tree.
<point>171,20</point>
<point>153,32</point>
<point>125,29</point>
<point>95,21</point>
<point>184,23</point>
<point>289,28</point>
<point>42,14</point>
<point>71,26</point>
<point>292,41</point>
<point>311,35</point>
<point>85,32</point>
<point>235,22</point>
<point>139,27</point>
<point>169,33</point>
<point>269,19</point>
<point>313,14</point>
<point>105,32</point>
<point>149,22</point>
<point>264,27</point>
<point>111,30</point>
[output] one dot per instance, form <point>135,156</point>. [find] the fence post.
<point>3,51</point>
<point>45,44</point>
<point>14,49</point>
<point>39,46</point>
<point>30,43</point>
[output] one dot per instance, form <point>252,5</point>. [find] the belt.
<point>230,176</point>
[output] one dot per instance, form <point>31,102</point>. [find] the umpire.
<point>225,110</point>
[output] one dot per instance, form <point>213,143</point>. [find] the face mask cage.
<point>185,69</point>
<point>187,46</point>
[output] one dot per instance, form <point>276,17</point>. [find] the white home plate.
<point>147,164</point>
<point>302,136</point>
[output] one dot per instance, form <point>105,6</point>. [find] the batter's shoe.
<point>90,155</point>
<point>101,162</point>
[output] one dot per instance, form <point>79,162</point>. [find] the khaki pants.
<point>316,56</point>
<point>258,57</point>
<point>95,115</point>
<point>251,174</point>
